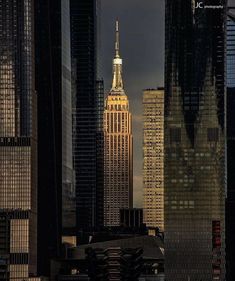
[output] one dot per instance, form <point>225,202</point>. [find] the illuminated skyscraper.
<point>195,140</point>
<point>153,147</point>
<point>118,147</point>
<point>18,136</point>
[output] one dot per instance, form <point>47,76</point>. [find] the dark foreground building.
<point>195,140</point>
<point>230,204</point>
<point>123,258</point>
<point>114,264</point>
<point>86,121</point>
<point>56,196</point>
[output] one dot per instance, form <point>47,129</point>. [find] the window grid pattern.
<point>15,190</point>
<point>19,243</point>
<point>230,51</point>
<point>153,165</point>
<point>18,159</point>
<point>118,171</point>
<point>194,171</point>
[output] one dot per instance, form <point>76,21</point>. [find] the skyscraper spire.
<point>117,85</point>
<point>117,40</point>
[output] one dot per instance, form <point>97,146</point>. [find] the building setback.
<point>195,141</point>
<point>118,147</point>
<point>153,166</point>
<point>18,138</point>
<point>230,203</point>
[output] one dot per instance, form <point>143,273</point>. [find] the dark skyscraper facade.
<point>195,140</point>
<point>68,188</point>
<point>85,114</point>
<point>230,203</point>
<point>56,196</point>
<point>18,138</point>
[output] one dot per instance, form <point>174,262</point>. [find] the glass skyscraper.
<point>230,202</point>
<point>231,48</point>
<point>195,140</point>
<point>68,176</point>
<point>18,136</point>
<point>87,99</point>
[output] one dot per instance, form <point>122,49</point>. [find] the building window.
<point>175,135</point>
<point>212,134</point>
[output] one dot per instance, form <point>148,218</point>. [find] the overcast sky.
<point>142,50</point>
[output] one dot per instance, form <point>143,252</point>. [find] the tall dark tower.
<point>195,140</point>
<point>18,137</point>
<point>230,203</point>
<point>56,196</point>
<point>85,114</point>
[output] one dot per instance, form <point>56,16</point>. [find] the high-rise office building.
<point>194,144</point>
<point>87,99</point>
<point>56,194</point>
<point>153,166</point>
<point>118,147</point>
<point>18,137</point>
<point>230,202</point>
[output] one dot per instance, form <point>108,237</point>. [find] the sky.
<point>142,50</point>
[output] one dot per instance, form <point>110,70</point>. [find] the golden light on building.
<point>18,142</point>
<point>153,166</point>
<point>118,147</point>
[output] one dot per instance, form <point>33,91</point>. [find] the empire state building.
<point>118,146</point>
